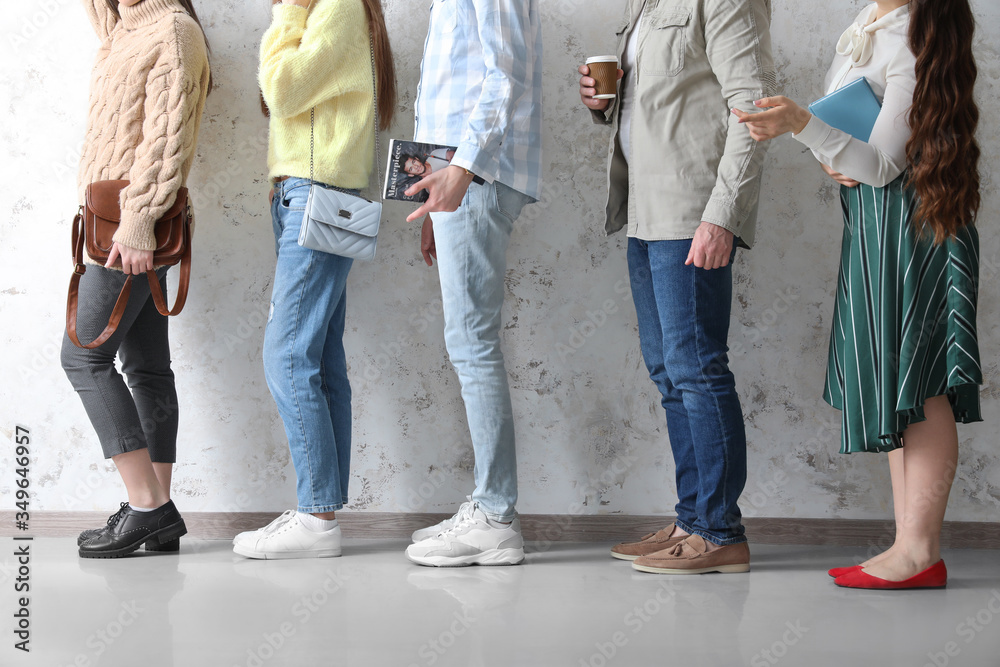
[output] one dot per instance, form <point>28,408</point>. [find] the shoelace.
<point>464,515</point>
<point>117,516</point>
<point>273,527</point>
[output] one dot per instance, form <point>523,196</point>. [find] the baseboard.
<point>536,527</point>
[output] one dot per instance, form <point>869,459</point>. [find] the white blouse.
<point>880,52</point>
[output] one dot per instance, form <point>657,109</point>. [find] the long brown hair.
<point>942,151</point>
<point>385,65</point>
<point>189,8</point>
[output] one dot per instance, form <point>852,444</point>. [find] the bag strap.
<point>73,298</point>
<point>72,301</point>
<point>185,279</point>
<point>378,151</point>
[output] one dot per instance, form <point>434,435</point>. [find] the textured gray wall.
<point>590,430</point>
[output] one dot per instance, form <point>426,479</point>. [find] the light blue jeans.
<point>472,263</point>
<point>304,360</point>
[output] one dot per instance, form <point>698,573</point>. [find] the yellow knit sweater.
<point>147,94</point>
<point>319,58</point>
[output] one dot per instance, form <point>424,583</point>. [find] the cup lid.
<point>602,59</point>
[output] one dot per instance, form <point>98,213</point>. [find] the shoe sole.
<point>284,555</point>
<point>172,532</point>
<point>170,546</point>
<point>622,556</point>
<point>724,569</point>
<point>494,557</point>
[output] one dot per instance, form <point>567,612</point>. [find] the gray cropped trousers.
<point>125,420</point>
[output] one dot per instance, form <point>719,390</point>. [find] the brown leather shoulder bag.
<point>94,227</point>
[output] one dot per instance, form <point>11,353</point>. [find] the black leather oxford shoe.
<point>91,533</point>
<point>127,530</point>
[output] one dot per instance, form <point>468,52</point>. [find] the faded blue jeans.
<point>304,360</point>
<point>683,314</point>
<point>472,264</point>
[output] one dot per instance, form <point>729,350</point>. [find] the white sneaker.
<point>431,531</point>
<point>287,537</point>
<point>473,540</point>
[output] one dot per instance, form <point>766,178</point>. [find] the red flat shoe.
<point>936,576</point>
<point>841,571</point>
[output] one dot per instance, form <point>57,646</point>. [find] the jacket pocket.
<point>666,42</point>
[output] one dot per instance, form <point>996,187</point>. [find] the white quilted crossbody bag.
<point>336,221</point>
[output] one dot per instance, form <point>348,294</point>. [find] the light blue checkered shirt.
<point>481,89</point>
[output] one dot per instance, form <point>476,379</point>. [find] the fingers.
<point>112,256</point>
<point>425,208</point>
<point>742,115</point>
<point>621,74</point>
<point>776,101</point>
<point>417,187</point>
<point>427,247</point>
<point>420,212</point>
<point>695,256</point>
<point>588,88</point>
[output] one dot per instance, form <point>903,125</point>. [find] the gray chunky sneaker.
<point>431,531</point>
<point>472,540</point>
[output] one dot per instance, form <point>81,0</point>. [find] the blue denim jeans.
<point>683,314</point>
<point>472,263</point>
<point>304,360</point>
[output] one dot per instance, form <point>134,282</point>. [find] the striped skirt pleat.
<point>904,323</point>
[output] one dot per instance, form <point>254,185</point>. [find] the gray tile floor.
<point>569,605</point>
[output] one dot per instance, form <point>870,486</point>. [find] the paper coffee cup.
<point>604,70</point>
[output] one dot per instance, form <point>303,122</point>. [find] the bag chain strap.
<point>312,131</point>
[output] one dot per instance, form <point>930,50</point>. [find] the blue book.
<point>852,109</point>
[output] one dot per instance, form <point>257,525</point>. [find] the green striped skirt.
<point>904,325</point>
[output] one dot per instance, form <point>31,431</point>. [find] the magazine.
<point>410,161</point>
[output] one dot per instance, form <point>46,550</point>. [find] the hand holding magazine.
<point>409,162</point>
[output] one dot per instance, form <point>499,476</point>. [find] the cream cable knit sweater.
<point>147,94</point>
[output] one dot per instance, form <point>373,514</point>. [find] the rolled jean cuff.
<point>711,537</point>
<point>318,509</point>
<point>495,516</point>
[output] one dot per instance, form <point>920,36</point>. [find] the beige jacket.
<point>692,160</point>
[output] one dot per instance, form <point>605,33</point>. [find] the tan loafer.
<point>648,544</point>
<point>691,556</point>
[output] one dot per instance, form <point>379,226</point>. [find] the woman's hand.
<point>588,90</point>
<point>427,247</point>
<point>782,116</point>
<point>840,178</point>
<point>135,262</point>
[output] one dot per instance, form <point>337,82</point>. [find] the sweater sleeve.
<point>883,158</point>
<point>170,131</point>
<point>300,65</point>
<point>101,17</point>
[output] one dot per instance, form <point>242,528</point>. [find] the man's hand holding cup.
<point>599,81</point>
